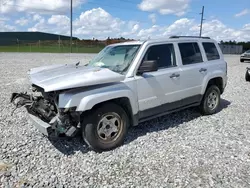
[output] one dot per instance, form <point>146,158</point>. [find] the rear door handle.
<point>203,70</point>
<point>174,75</point>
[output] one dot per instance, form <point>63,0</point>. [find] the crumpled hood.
<point>59,77</point>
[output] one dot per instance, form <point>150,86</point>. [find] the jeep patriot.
<point>125,84</point>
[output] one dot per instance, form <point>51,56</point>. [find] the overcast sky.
<point>139,19</point>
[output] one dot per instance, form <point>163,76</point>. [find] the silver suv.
<point>125,84</point>
<point>245,56</point>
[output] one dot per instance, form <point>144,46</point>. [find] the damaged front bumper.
<point>42,126</point>
<point>50,121</point>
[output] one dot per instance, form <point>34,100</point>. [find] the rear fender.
<point>209,77</point>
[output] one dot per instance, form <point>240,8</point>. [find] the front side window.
<point>164,55</point>
<point>115,58</point>
<point>190,53</point>
<point>211,51</point>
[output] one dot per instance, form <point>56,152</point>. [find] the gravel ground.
<point>182,149</point>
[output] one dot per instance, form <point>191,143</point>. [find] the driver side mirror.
<point>148,66</point>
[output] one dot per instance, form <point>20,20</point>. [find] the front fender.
<point>85,99</point>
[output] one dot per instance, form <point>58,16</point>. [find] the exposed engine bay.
<point>45,107</point>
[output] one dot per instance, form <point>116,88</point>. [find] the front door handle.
<point>202,70</point>
<point>175,75</point>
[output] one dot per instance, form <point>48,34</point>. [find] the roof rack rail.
<point>188,37</point>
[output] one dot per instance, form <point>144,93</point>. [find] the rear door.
<point>214,60</point>
<point>193,71</point>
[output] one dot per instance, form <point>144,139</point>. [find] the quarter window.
<point>164,55</point>
<point>190,53</point>
<point>211,51</point>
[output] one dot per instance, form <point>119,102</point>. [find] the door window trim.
<point>199,46</point>
<point>156,44</point>
<point>202,44</point>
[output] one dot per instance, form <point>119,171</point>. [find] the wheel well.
<point>124,103</point>
<point>218,82</point>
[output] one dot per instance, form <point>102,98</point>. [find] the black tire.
<point>93,122</point>
<point>247,76</point>
<point>204,106</point>
<point>242,60</point>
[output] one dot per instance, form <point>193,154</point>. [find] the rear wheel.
<point>211,100</point>
<point>105,127</point>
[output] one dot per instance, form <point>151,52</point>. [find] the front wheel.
<point>242,60</point>
<point>211,101</point>
<point>105,127</point>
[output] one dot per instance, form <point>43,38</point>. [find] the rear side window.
<point>190,53</point>
<point>211,51</point>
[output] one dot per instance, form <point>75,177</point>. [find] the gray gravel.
<point>183,149</point>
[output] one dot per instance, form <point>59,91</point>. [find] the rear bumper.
<point>43,127</point>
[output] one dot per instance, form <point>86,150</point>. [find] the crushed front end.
<point>44,113</point>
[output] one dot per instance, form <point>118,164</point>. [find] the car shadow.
<point>70,146</point>
<point>168,121</point>
<point>224,104</point>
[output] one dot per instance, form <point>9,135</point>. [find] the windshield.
<point>248,52</point>
<point>115,58</point>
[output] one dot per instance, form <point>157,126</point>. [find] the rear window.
<point>190,53</point>
<point>211,51</point>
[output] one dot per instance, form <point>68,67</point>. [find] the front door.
<point>159,91</point>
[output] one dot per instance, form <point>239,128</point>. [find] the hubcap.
<point>213,100</point>
<point>109,127</point>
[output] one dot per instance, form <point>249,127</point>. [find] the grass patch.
<point>51,49</point>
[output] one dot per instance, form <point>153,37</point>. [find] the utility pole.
<point>71,24</point>
<point>202,15</point>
